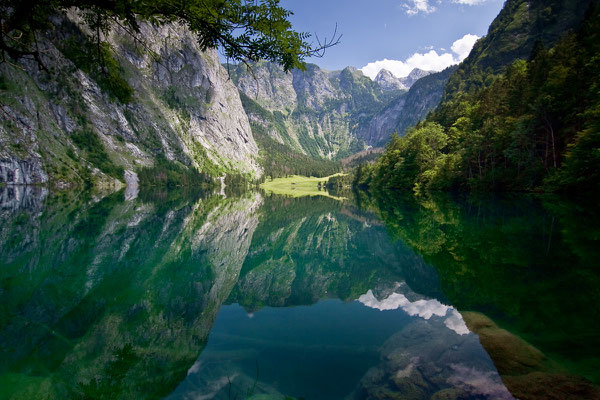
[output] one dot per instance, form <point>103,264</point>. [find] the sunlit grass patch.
<point>299,186</point>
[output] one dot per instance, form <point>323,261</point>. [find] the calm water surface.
<point>185,295</point>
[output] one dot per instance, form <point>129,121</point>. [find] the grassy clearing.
<point>299,186</point>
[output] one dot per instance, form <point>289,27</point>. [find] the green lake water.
<point>191,295</point>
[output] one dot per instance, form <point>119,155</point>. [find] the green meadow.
<point>299,186</point>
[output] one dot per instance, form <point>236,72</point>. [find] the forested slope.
<point>512,118</point>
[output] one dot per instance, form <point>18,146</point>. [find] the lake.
<point>184,294</point>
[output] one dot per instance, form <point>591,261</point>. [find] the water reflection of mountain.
<point>306,249</point>
<point>112,299</point>
<point>102,297</point>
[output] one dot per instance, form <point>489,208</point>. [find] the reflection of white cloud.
<point>195,368</point>
<point>456,323</point>
<point>479,383</point>
<point>429,61</point>
<point>422,308</point>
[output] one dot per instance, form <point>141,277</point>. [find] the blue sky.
<point>404,33</point>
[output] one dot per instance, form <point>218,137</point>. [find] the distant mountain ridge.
<point>332,114</point>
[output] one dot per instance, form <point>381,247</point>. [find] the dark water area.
<point>195,295</point>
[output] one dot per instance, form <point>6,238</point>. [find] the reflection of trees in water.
<point>102,297</point>
<point>528,262</point>
<point>306,249</point>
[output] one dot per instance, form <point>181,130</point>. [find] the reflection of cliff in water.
<point>306,249</point>
<point>112,299</point>
<point>106,298</point>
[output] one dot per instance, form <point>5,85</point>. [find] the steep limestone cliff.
<point>159,99</point>
<point>389,81</point>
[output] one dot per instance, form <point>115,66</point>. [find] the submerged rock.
<point>525,370</point>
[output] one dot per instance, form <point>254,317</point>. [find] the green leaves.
<point>246,30</point>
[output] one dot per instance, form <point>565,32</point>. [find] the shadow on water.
<point>190,294</point>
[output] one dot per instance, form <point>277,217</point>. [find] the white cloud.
<point>413,7</point>
<point>469,2</point>
<point>422,308</point>
<point>430,61</point>
<point>462,47</point>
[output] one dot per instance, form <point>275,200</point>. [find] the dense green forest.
<point>279,160</point>
<point>170,173</point>
<point>533,126</point>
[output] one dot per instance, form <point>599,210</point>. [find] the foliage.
<point>279,160</point>
<point>417,160</point>
<point>236,180</point>
<point>513,35</point>
<point>168,173</point>
<point>535,127</point>
<point>244,29</point>
<point>363,175</point>
<point>86,139</point>
<point>340,181</point>
<point>99,63</point>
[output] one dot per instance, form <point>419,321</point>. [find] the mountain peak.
<point>388,81</point>
<point>418,73</point>
<point>384,73</point>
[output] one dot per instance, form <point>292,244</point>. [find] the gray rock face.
<point>405,111</point>
<point>333,114</point>
<point>217,120</point>
<point>414,76</point>
<point>389,81</point>
<point>184,108</point>
<point>316,112</point>
<point>270,86</point>
<point>16,171</point>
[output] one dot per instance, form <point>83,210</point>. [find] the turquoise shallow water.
<point>186,295</point>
